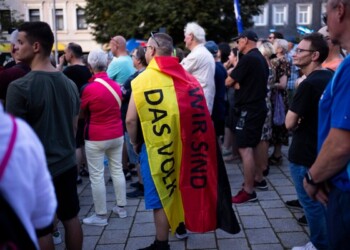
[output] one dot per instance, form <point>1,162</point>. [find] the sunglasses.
<point>152,35</point>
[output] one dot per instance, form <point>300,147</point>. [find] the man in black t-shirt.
<point>80,74</point>
<point>249,78</point>
<point>302,118</point>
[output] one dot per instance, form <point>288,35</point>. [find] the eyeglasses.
<point>298,50</point>
<point>152,35</point>
<point>145,48</point>
<point>133,56</point>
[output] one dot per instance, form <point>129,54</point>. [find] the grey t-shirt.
<point>48,101</point>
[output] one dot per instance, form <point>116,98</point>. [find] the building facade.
<point>292,18</point>
<point>67,16</point>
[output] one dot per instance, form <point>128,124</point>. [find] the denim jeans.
<point>339,219</point>
<point>314,211</point>
<point>95,152</point>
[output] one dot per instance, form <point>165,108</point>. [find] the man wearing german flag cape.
<point>181,165</point>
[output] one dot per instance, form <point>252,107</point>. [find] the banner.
<point>185,161</point>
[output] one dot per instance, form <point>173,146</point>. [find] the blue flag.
<point>238,16</point>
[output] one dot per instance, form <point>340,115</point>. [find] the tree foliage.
<point>138,18</point>
<point>9,18</point>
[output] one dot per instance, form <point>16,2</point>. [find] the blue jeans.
<point>339,219</point>
<point>314,211</point>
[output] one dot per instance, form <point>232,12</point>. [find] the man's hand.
<point>317,192</point>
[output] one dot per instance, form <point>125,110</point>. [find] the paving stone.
<point>114,237</point>
<point>266,204</point>
<point>117,223</point>
<point>268,195</point>
<point>142,217</point>
<point>111,246</point>
<point>285,225</point>
<point>92,230</point>
<point>293,239</point>
<point>143,229</point>
<point>261,236</point>
<point>139,242</point>
<point>240,244</point>
<point>280,182</point>
<point>286,190</point>
<point>255,222</point>
<point>276,213</point>
<point>221,234</point>
<point>267,247</point>
<point>90,242</point>
<point>249,209</point>
<point>201,241</point>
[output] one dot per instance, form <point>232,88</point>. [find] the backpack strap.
<point>10,147</point>
<point>104,83</point>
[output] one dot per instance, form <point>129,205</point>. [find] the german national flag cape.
<point>185,161</point>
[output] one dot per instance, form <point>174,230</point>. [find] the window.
<point>5,19</point>
<point>81,21</point>
<point>34,15</point>
<point>280,14</point>
<point>261,20</point>
<point>304,12</point>
<point>59,19</point>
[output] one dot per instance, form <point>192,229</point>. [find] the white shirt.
<point>201,64</point>
<point>26,182</point>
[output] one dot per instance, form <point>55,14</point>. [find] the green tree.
<point>9,19</point>
<point>138,18</point>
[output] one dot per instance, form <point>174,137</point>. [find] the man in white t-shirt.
<point>200,62</point>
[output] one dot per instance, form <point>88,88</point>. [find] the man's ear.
<point>36,47</point>
<point>315,55</point>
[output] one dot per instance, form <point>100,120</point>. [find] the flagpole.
<point>238,16</point>
<point>55,31</point>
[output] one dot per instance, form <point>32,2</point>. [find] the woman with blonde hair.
<point>281,67</point>
<point>262,148</point>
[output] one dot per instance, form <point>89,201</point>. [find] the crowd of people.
<point>149,110</point>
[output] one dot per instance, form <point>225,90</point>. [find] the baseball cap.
<point>212,47</point>
<point>251,35</point>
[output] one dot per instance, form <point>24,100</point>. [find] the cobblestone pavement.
<point>266,224</point>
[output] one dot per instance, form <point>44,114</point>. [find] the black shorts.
<point>79,139</point>
<point>67,195</point>
<point>249,124</point>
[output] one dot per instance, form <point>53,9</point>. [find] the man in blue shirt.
<point>332,163</point>
<point>121,67</point>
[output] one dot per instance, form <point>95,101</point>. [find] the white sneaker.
<point>96,220</point>
<point>120,211</point>
<point>56,236</point>
<point>308,246</point>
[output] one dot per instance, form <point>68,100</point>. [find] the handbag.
<point>279,114</point>
<point>104,83</point>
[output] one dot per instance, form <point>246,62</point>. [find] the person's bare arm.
<point>131,122</point>
<point>333,156</point>
<point>291,121</point>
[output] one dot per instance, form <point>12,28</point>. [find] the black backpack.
<point>13,235</point>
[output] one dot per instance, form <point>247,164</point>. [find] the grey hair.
<point>165,44</point>
<point>97,60</point>
<point>13,36</point>
<point>281,43</point>
<point>196,30</point>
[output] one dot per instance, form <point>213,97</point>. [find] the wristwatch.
<point>309,179</point>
